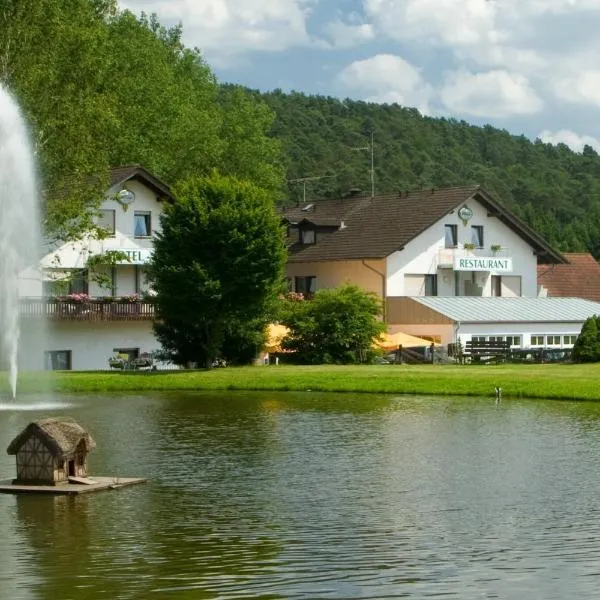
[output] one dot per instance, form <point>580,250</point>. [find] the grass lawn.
<point>569,382</point>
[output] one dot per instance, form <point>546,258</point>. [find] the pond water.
<point>314,496</point>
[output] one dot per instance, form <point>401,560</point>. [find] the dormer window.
<point>308,236</point>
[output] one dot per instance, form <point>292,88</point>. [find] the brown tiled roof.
<point>328,212</point>
<point>376,227</point>
<point>136,172</point>
<point>580,278</point>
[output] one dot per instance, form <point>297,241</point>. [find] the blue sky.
<point>529,66</point>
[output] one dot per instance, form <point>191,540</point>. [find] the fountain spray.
<point>19,226</point>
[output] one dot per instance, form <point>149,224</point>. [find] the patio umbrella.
<point>391,341</point>
<point>275,335</point>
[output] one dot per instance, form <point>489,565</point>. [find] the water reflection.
<point>318,496</point>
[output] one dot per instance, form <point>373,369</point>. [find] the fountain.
<point>19,226</point>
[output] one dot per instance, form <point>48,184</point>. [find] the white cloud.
<point>387,78</point>
<point>583,88</point>
<point>441,21</point>
<point>496,94</point>
<point>226,28</point>
<point>347,35</point>
<point>565,136</point>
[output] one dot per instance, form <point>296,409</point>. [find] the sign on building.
<point>482,263</point>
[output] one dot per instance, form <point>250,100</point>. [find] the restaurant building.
<point>435,256</point>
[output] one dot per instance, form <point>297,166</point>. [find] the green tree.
<point>218,260</point>
<point>102,88</point>
<point>337,326</point>
<point>587,346</point>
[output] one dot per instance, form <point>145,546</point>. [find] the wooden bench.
<point>484,351</point>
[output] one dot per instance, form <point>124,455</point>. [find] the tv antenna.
<point>303,181</point>
<point>371,147</point>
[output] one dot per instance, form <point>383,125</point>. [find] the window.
<point>537,340</point>
<point>477,235</point>
<point>78,283</point>
<point>142,224</point>
<point>308,236</point>
<point>569,340</point>
<point>106,220</point>
<point>58,360</point>
<point>514,340</point>
<point>496,285</point>
<point>128,354</point>
<point>431,285</point>
<point>478,338</point>
<point>553,340</point>
<point>141,279</point>
<point>306,285</point>
<point>450,236</point>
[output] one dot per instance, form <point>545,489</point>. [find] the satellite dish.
<point>125,197</point>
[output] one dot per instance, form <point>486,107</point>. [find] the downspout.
<point>383,288</point>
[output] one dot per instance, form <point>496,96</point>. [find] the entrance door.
<point>71,468</point>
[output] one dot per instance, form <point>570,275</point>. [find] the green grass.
<point>572,382</point>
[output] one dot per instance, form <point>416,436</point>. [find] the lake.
<point>273,495</point>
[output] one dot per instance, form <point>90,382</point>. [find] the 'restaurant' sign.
<point>482,263</point>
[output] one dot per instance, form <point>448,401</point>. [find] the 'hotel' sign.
<point>138,256</point>
<point>481,263</point>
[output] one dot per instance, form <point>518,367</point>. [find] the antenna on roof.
<point>371,147</point>
<point>303,181</point>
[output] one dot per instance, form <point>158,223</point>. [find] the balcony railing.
<point>90,310</point>
<point>447,256</point>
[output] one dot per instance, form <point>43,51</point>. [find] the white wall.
<point>466,330</point>
<point>91,344</point>
<point>421,255</point>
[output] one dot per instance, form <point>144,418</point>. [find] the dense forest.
<point>554,189</point>
<point>101,87</point>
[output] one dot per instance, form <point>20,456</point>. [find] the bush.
<point>587,346</point>
<point>337,326</point>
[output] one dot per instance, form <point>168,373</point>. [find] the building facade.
<point>93,311</point>
<point>448,245</point>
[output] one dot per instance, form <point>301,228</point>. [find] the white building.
<point>115,316</point>
<point>431,255</point>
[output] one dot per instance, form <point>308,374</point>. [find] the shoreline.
<point>549,381</point>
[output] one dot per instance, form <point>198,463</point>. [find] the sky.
<point>528,66</point>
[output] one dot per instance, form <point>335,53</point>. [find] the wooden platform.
<point>72,489</point>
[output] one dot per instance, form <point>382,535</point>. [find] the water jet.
<point>19,226</point>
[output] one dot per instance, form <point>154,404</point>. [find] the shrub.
<point>587,346</point>
<point>337,326</point>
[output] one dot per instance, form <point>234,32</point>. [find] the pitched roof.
<point>377,227</point>
<point>120,175</point>
<point>61,436</point>
<point>470,309</point>
<point>579,278</point>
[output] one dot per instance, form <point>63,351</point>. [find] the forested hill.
<point>554,189</point>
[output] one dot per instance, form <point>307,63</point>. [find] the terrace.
<point>99,309</point>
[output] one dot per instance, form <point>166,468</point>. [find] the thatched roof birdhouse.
<point>50,451</point>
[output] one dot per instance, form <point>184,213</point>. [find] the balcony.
<point>90,310</point>
<point>448,257</point>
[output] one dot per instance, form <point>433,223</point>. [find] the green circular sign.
<point>465,214</point>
